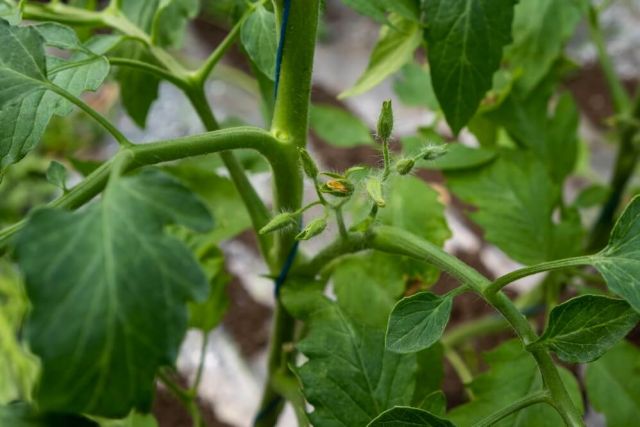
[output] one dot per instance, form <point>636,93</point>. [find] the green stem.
<point>290,124</point>
<point>461,369</point>
<point>258,212</point>
<point>341,225</point>
<point>165,151</point>
<point>150,69</point>
<point>525,402</point>
<point>201,75</point>
<point>99,118</point>
<point>188,401</point>
<point>201,363</point>
<point>626,161</point>
<point>621,101</point>
<point>474,329</point>
<point>503,281</point>
<point>389,239</point>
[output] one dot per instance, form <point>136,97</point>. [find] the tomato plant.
<point>97,293</point>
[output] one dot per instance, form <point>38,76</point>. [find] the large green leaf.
<point>339,127</point>
<point>613,385</point>
<point>402,416</point>
<point>516,200</point>
<point>109,293</point>
<point>513,374</point>
<point>260,40</point>
<point>26,79</point>
<point>619,262</point>
<point>552,136</point>
<point>417,322</point>
<point>584,328</point>
<point>395,48</point>
<point>349,378</point>
<point>540,30</point>
<point>465,41</point>
<point>22,415</point>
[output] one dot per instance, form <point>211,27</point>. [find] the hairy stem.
<point>290,124</point>
<point>503,281</point>
<point>169,150</point>
<point>525,402</point>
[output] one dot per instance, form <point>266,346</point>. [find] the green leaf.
<point>584,328</point>
<point>208,314</point>
<point>458,156</point>
<point>592,196</point>
<point>170,21</point>
<point>413,87</point>
<point>409,9</point>
<point>339,127</point>
<point>417,322</point>
<point>57,175</point>
<point>541,28</point>
<point>403,416</point>
<point>109,293</point>
<point>26,77</point>
<point>513,375</point>
<point>553,137</point>
<point>138,90</point>
<point>619,262</point>
<point>22,415</point>
<point>465,39</point>
<point>613,385</point>
<point>383,283</point>
<point>260,40</point>
<point>219,193</point>
<point>133,420</point>
<point>394,49</point>
<point>372,8</point>
<point>9,12</point>
<point>349,378</point>
<point>516,200</point>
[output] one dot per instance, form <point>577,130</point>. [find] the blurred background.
<point>236,351</point>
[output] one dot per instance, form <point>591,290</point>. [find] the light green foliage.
<point>26,79</point>
<point>619,262</point>
<point>133,420</point>
<point>170,21</point>
<point>417,322</point>
<point>109,295</point>
<point>373,8</point>
<point>9,12</point>
<point>613,385</point>
<point>260,39</point>
<point>57,175</point>
<point>540,30</point>
<point>339,127</point>
<point>457,157</point>
<point>349,378</point>
<point>516,200</point>
<point>465,41</point>
<point>584,328</point>
<point>396,44</point>
<point>512,375</point>
<point>208,314</point>
<point>413,87</point>
<point>405,416</point>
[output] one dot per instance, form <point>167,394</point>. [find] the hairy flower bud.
<point>374,187</point>
<point>385,121</point>
<point>308,165</point>
<point>433,151</point>
<point>314,228</point>
<point>278,222</point>
<point>405,166</point>
<point>338,188</point>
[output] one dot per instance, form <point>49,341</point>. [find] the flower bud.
<point>405,166</point>
<point>278,222</point>
<point>338,188</point>
<point>308,165</point>
<point>314,228</point>
<point>374,187</point>
<point>433,151</point>
<point>385,121</point>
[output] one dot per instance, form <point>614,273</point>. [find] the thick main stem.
<point>290,124</point>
